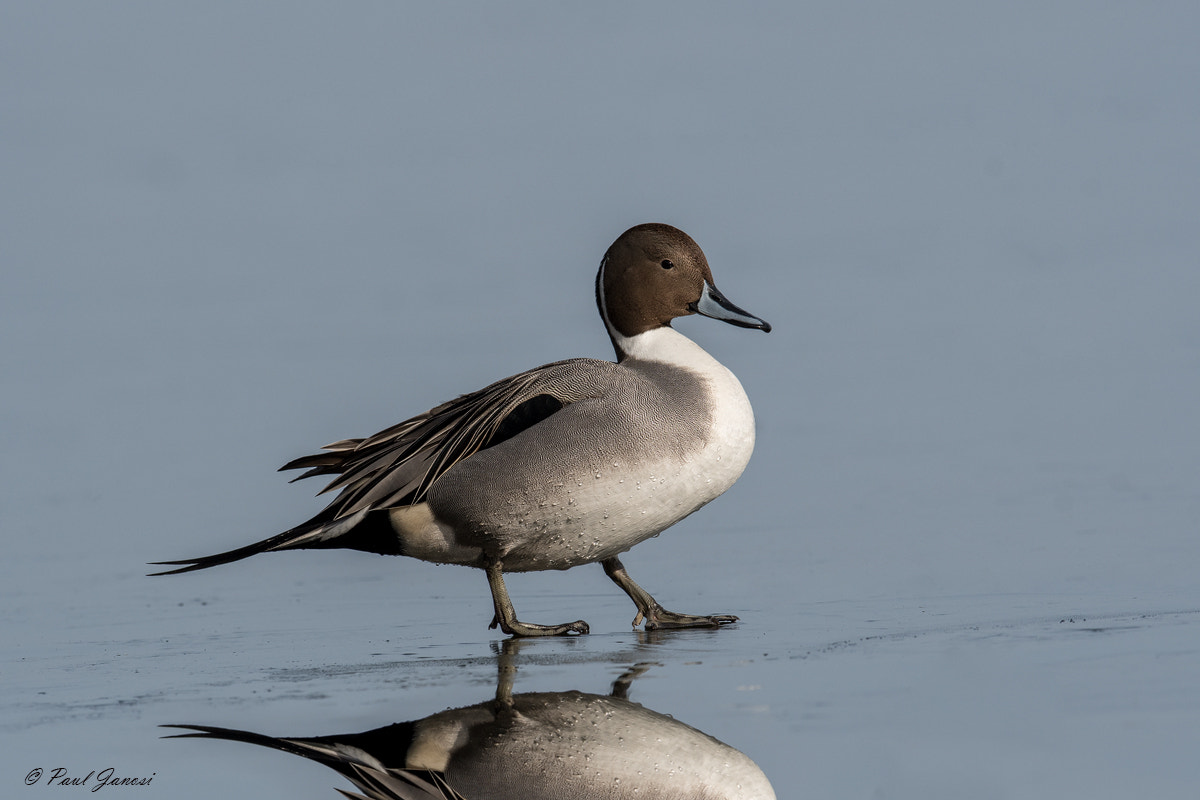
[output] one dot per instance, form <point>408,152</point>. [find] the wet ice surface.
<point>987,695</point>
<point>964,553</point>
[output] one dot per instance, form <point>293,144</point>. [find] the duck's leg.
<point>648,608</point>
<point>506,615</point>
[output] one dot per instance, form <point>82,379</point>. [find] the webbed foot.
<point>655,616</point>
<point>515,627</point>
<point>658,618</point>
<point>506,616</point>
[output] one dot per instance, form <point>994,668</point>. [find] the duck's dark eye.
<point>666,264</point>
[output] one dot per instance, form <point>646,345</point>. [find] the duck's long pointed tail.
<point>347,532</point>
<point>278,542</point>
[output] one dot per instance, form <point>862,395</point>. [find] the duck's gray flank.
<point>569,463</point>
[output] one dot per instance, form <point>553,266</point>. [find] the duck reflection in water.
<point>534,746</point>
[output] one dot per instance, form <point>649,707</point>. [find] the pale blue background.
<point>232,232</point>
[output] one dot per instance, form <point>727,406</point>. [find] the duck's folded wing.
<point>397,466</point>
<point>399,784</point>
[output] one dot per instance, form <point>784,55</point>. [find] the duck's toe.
<point>518,628</point>
<point>658,618</point>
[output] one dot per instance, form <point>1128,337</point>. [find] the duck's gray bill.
<point>714,304</point>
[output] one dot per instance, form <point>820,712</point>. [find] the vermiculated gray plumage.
<point>396,466</point>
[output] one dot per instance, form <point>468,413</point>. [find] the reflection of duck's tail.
<point>368,774</point>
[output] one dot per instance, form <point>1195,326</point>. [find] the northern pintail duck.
<point>570,463</point>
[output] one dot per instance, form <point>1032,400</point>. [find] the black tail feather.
<point>277,542</point>
<point>233,735</point>
<point>369,532</point>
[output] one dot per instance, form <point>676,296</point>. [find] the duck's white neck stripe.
<point>600,292</point>
<point>619,340</point>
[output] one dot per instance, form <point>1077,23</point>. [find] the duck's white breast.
<point>614,495</point>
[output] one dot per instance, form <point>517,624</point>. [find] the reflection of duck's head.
<point>533,746</point>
